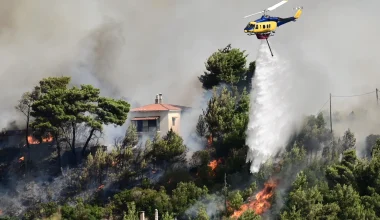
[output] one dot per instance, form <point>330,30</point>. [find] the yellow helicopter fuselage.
<point>261,27</point>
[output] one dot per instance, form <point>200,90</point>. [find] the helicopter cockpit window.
<point>250,26</point>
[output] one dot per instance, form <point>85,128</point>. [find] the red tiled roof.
<point>156,107</point>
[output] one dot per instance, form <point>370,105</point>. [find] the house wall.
<point>177,125</point>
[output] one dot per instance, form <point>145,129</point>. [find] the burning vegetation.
<point>33,140</point>
<point>214,164</point>
<point>261,203</point>
<point>21,159</point>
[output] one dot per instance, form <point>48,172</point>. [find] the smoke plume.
<point>131,49</point>
<point>135,49</point>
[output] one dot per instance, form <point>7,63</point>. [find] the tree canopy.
<point>60,110</point>
<point>227,65</point>
<point>317,175</point>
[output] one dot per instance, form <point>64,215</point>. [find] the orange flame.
<point>261,204</point>
<point>21,159</point>
<point>213,164</point>
<point>209,141</point>
<point>49,138</point>
<point>100,187</point>
<point>32,140</point>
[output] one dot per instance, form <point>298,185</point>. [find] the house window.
<point>139,126</point>
<point>173,121</point>
<point>148,125</point>
<point>152,125</point>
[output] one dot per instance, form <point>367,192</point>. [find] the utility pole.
<point>377,96</point>
<point>330,116</point>
<point>225,192</point>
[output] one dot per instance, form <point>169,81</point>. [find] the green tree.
<point>227,65</point>
<point>201,126</point>
<point>235,200</point>
<point>220,112</point>
<point>48,110</point>
<point>25,106</point>
<point>343,173</point>
<point>132,213</point>
<point>249,191</point>
<point>76,103</point>
<point>59,107</point>
<point>349,140</point>
<point>84,211</point>
<point>313,135</point>
<point>186,194</point>
<point>307,203</point>
<point>349,202</point>
<point>200,158</point>
<point>108,111</point>
<point>202,214</point>
<point>167,216</point>
<point>131,137</point>
<point>227,116</point>
<point>249,215</point>
<point>370,143</point>
<point>145,199</point>
<point>169,149</point>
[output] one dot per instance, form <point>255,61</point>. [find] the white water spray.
<point>270,122</point>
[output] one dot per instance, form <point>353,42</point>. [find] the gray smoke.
<point>135,49</point>
<point>131,49</point>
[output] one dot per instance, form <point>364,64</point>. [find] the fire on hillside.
<point>33,140</point>
<point>261,203</point>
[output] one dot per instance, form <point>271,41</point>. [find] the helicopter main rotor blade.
<point>269,9</point>
<point>254,14</point>
<point>277,5</point>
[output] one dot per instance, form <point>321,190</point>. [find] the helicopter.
<point>266,26</point>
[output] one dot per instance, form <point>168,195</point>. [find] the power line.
<point>367,93</point>
<point>347,96</point>
<point>323,106</point>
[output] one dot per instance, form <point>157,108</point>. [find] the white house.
<point>157,117</point>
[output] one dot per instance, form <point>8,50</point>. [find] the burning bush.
<point>261,202</point>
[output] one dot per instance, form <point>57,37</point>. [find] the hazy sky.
<point>136,48</point>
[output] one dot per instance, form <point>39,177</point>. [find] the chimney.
<point>142,216</point>
<point>156,100</point>
<point>155,214</point>
<point>160,98</point>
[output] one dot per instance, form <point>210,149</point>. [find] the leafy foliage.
<point>321,176</point>
<point>58,109</point>
<point>227,65</point>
